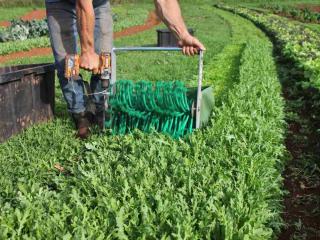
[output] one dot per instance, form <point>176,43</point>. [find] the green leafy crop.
<point>221,182</point>
<point>22,30</point>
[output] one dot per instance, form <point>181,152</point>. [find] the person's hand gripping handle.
<point>73,63</point>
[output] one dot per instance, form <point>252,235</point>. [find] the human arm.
<point>89,59</point>
<point>170,13</point>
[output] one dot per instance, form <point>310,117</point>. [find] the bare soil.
<point>150,22</point>
<point>311,7</point>
<point>4,24</point>
<point>23,54</point>
<point>302,173</point>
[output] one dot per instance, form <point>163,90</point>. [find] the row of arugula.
<point>297,42</point>
<point>223,182</point>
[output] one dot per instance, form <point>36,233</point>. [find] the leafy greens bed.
<point>222,182</point>
<point>299,43</point>
<point>22,30</point>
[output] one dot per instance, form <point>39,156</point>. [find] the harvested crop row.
<point>222,70</point>
<point>299,43</point>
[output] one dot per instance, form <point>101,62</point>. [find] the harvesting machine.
<point>164,106</point>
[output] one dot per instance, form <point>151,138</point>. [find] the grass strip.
<point>25,45</point>
<point>7,14</point>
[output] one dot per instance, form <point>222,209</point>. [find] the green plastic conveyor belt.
<point>167,107</point>
<point>161,106</point>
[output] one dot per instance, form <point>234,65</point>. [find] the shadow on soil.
<point>302,171</point>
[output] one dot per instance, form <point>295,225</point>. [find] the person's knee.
<point>106,31</point>
<point>104,20</point>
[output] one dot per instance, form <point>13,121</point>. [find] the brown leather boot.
<point>82,124</point>
<point>98,119</point>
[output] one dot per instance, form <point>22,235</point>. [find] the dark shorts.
<point>96,3</point>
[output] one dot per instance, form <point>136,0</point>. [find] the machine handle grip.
<point>72,64</point>
<point>145,49</point>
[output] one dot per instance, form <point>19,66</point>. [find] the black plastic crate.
<point>167,39</point>
<point>26,97</point>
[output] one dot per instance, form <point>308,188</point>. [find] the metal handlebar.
<point>126,49</point>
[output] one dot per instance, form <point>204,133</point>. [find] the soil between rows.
<point>302,173</point>
<point>311,7</point>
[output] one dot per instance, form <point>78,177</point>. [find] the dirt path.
<point>151,22</point>
<point>302,172</point>
<point>31,53</point>
<point>311,7</point>
<point>33,15</point>
<point>4,24</point>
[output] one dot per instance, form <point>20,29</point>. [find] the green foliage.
<point>22,30</point>
<point>223,68</point>
<point>313,27</point>
<point>298,42</point>
<point>33,60</point>
<point>24,45</point>
<point>222,182</point>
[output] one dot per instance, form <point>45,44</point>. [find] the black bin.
<point>26,97</point>
<point>167,39</point>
